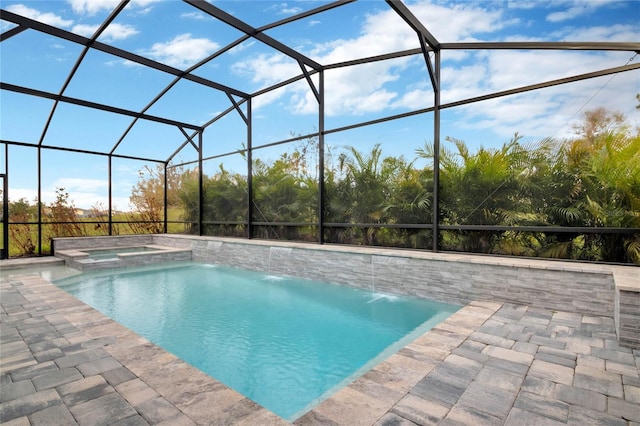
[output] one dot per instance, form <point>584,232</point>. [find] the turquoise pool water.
<point>286,344</point>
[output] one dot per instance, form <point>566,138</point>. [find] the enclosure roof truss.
<point>308,66</point>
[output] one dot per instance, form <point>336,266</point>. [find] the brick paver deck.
<point>62,362</point>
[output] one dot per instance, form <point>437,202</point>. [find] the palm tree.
<point>483,188</point>
<point>410,202</point>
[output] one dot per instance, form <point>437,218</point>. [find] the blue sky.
<point>176,34</point>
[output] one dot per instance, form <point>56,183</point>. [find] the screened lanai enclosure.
<point>481,127</point>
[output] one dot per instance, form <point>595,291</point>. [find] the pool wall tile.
<point>444,277</point>
<point>440,279</point>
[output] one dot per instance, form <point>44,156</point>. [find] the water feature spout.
<point>373,276</point>
<point>388,270</point>
<point>277,255</point>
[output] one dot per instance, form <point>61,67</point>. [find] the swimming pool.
<point>286,344</point>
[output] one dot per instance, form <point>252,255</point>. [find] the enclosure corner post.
<point>436,154</point>
<point>321,194</point>
<point>166,198</point>
<point>249,170</point>
<point>5,205</point>
<point>109,168</point>
<point>200,185</point>
<point>39,200</point>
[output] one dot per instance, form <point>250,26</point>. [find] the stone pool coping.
<point>489,363</point>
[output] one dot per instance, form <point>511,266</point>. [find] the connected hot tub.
<point>93,258</point>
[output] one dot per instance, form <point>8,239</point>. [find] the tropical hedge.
<point>576,198</point>
<point>589,181</point>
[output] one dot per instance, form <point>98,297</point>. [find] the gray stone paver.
<point>136,420</point>
<point>621,408</point>
<point>157,410</point>
<point>20,421</point>
<point>488,399</point>
<point>461,414</point>
<point>554,372</point>
<point>554,359</point>
<point>136,391</point>
<point>104,410</point>
<point>586,416</point>
<point>56,378</point>
<point>29,404</point>
<point>419,410</point>
<point>52,416</point>
<point>502,379</point>
<point>84,390</point>
<point>15,390</point>
<point>63,363</point>
<point>580,397</point>
<point>632,393</point>
<point>602,382</point>
<point>543,406</point>
<point>518,417</point>
<point>391,419</point>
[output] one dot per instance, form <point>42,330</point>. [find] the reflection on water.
<point>48,272</point>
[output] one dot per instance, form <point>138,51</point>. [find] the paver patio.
<point>64,363</point>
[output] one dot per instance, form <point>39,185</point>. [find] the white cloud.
<point>461,22</point>
<point>273,96</point>
<point>265,70</point>
<point>372,88</point>
<point>83,193</point>
<point>6,26</point>
<point>194,15</point>
<point>124,62</point>
<point>46,18</point>
<point>114,31</point>
<point>117,31</point>
<point>417,96</point>
<point>359,90</point>
<point>283,9</point>
<point>78,184</point>
<point>611,33</point>
<point>551,111</point>
<point>522,4</point>
<point>242,46</point>
<point>142,12</point>
<point>509,69</point>
<point>463,82</point>
<point>16,194</point>
<point>183,51</point>
<point>576,9</point>
<point>382,33</point>
<point>353,90</point>
<point>545,112</point>
<point>91,7</point>
<point>362,89</point>
<point>290,10</point>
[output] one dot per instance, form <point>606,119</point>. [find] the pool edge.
<point>205,400</point>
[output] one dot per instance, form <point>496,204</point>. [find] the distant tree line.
<point>592,180</point>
